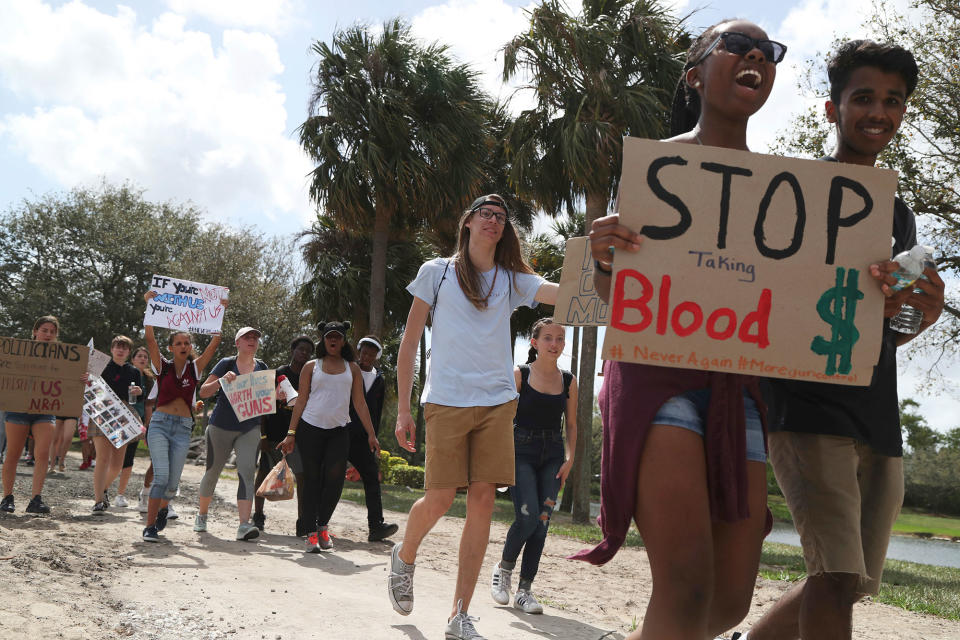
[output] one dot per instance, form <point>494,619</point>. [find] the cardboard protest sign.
<point>97,361</point>
<point>750,263</point>
<point>42,377</point>
<point>113,416</point>
<point>185,306</point>
<point>252,394</point>
<point>578,304</point>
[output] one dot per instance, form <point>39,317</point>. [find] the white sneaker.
<point>121,501</point>
<point>526,602</point>
<point>460,626</point>
<point>500,585</point>
<point>144,497</point>
<point>400,583</point>
<point>171,514</point>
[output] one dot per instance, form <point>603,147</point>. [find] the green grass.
<point>908,585</point>
<point>910,522</point>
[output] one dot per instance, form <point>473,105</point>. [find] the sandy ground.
<point>78,576</point>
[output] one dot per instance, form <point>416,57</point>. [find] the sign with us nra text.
<point>42,377</point>
<point>750,263</point>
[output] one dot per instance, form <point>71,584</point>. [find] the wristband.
<point>263,437</point>
<point>602,269</point>
<point>292,432</point>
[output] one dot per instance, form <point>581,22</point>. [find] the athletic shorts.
<point>689,411</point>
<point>844,498</point>
<point>469,444</point>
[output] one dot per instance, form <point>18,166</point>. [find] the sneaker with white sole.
<point>100,508</point>
<point>143,500</point>
<point>460,626</point>
<point>500,585</point>
<point>200,523</point>
<point>313,544</point>
<point>400,583</point>
<point>171,514</point>
<point>150,534</point>
<point>323,539</point>
<point>121,501</point>
<point>247,531</point>
<point>527,602</point>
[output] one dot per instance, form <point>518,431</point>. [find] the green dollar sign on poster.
<point>838,308</point>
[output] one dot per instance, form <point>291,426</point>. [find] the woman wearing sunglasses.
<point>702,529</point>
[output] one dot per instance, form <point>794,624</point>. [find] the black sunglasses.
<point>741,44</point>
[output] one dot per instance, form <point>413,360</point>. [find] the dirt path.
<point>78,576</point>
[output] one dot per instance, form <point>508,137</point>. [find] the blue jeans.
<point>169,440</point>
<point>539,456</point>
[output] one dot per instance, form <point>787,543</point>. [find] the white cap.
<point>244,331</point>
<point>373,343</point>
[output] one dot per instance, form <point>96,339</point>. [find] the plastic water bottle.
<point>131,398</point>
<point>912,263</point>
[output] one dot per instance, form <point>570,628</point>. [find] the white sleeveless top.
<point>328,405</point>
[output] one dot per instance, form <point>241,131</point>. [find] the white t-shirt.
<point>368,378</point>
<point>471,361</point>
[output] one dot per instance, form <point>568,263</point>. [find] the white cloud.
<point>273,16</point>
<point>476,31</point>
<point>167,107</point>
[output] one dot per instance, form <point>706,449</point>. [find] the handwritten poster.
<point>578,304</point>
<point>113,416</point>
<point>252,394</point>
<point>750,263</point>
<point>185,306</point>
<point>42,377</point>
<point>98,360</point>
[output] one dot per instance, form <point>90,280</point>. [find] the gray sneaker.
<point>460,626</point>
<point>500,585</point>
<point>200,523</point>
<point>400,583</point>
<point>526,602</point>
<point>247,531</point>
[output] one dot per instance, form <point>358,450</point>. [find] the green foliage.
<point>917,435</point>
<point>932,480</point>
<point>398,134</point>
<point>405,475</point>
<point>87,256</point>
<point>596,76</point>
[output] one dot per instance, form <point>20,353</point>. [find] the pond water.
<point>912,549</point>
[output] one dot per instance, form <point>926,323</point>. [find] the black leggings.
<point>324,456</point>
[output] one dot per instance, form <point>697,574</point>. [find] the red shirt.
<point>173,387</point>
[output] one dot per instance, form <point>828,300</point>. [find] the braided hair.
<point>685,111</point>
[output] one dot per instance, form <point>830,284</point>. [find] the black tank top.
<point>540,411</point>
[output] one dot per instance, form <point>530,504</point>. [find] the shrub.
<point>932,480</point>
<point>407,476</point>
<point>387,464</point>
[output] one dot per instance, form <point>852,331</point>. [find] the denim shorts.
<point>29,419</point>
<point>689,411</point>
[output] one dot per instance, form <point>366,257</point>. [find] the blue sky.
<point>200,99</point>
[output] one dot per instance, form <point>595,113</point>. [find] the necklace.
<point>492,284</point>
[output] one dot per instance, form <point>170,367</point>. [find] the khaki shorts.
<point>844,498</point>
<point>469,444</point>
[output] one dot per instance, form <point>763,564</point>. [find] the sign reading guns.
<point>182,305</point>
<point>750,263</point>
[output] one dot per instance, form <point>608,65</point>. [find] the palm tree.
<point>394,125</point>
<point>596,77</point>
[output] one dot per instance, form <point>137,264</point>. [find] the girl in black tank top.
<point>542,465</point>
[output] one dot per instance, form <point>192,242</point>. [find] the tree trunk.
<point>573,481</point>
<point>596,208</point>
<point>378,266</point>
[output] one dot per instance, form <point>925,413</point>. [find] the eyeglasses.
<point>487,214</point>
<point>741,44</point>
